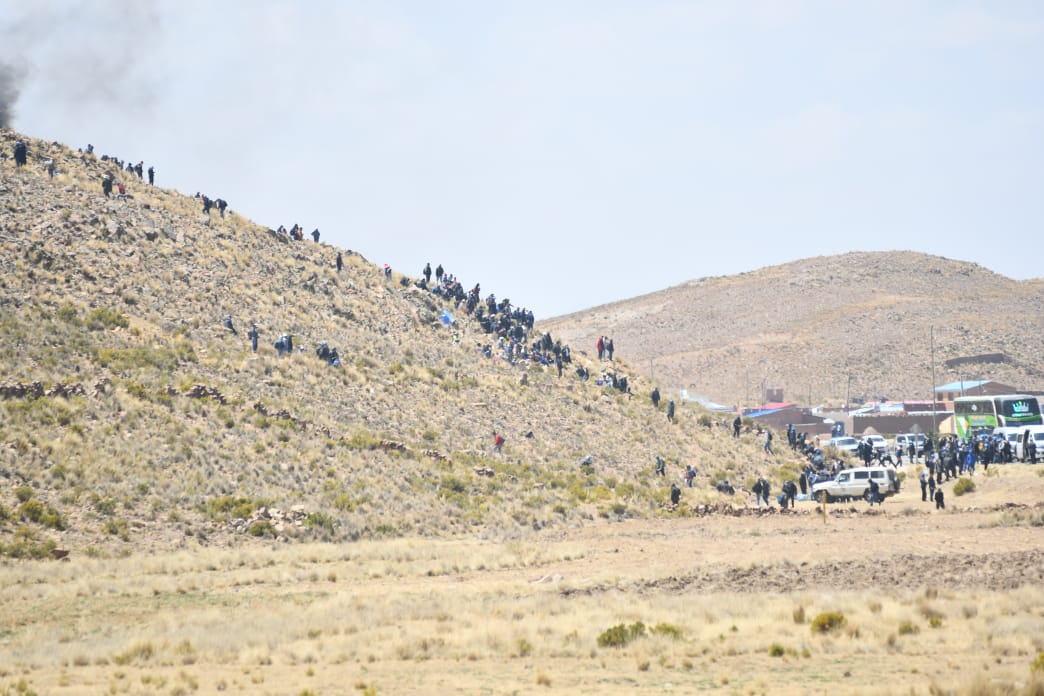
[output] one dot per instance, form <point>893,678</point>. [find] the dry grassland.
<point>933,602</point>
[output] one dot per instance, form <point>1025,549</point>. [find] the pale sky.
<point>568,154</point>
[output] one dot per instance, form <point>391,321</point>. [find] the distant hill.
<point>807,326</point>
<point>132,418</point>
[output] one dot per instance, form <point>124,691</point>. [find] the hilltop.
<point>808,325</point>
<point>133,416</point>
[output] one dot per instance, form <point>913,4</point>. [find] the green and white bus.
<point>973,415</point>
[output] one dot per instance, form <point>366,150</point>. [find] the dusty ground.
<point>468,616</point>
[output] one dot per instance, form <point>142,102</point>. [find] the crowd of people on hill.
<point>511,340</point>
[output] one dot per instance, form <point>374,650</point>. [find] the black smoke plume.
<point>10,80</point>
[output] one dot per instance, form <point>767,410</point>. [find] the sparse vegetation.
<point>963,485</point>
<point>620,635</point>
<point>828,621</point>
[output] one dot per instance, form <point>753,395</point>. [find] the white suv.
<point>855,483</point>
<point>844,444</point>
<point>879,443</point>
<point>905,439</point>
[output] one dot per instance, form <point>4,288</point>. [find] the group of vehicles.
<point>1015,417</point>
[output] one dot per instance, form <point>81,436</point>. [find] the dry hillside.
<point>807,326</point>
<point>131,415</point>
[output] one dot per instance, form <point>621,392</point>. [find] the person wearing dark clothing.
<point>221,205</point>
<point>229,325</point>
<point>253,335</point>
<point>315,235</point>
<point>661,466</point>
<point>803,483</point>
<point>790,493</point>
<point>924,485</point>
<point>690,474</point>
<point>20,154</point>
<point>340,262</point>
<point>609,348</point>
<point>940,503</point>
<point>670,411</point>
<point>765,490</point>
<point>675,494</point>
<point>874,493</point>
<point>656,397</point>
<point>107,185</point>
<point>438,273</point>
<point>427,273</point>
<point>152,176</point>
<point>207,203</point>
<point>138,170</point>
<point>736,425</point>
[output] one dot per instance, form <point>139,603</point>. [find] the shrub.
<point>320,520</point>
<point>260,528</point>
<point>523,647</point>
<point>776,650</point>
<point>963,485</point>
<point>668,631</point>
<point>1038,664</point>
<point>828,621</point>
<point>68,314</point>
<point>620,635</point>
<point>102,318</point>
<point>139,652</point>
<point>24,493</point>
<point>908,628</point>
<point>27,544</point>
<point>229,507</point>
<point>35,511</point>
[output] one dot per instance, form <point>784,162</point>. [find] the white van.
<point>855,483</point>
<point>1027,432</point>
<point>1009,434</point>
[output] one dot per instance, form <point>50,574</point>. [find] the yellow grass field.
<point>934,602</point>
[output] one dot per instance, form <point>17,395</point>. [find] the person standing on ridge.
<point>152,175</point>
<point>20,153</point>
<point>340,262</point>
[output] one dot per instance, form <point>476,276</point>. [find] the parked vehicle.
<point>1034,432</point>
<point>1009,434</point>
<point>845,444</point>
<point>879,443</point>
<point>904,439</point>
<point>851,484</point>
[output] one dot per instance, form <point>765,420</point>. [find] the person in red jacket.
<point>498,442</point>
